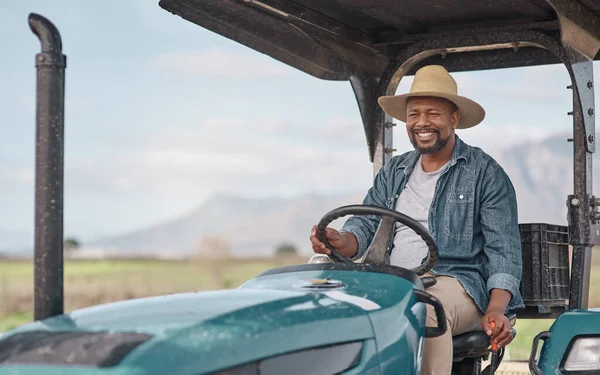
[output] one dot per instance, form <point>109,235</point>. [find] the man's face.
<point>430,123</point>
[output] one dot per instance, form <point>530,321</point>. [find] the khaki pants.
<point>462,315</point>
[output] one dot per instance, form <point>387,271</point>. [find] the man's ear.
<point>455,118</point>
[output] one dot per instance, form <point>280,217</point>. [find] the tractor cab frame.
<point>373,45</point>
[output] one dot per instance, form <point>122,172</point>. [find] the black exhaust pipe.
<point>49,164</point>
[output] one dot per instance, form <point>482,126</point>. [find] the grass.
<point>14,320</point>
<point>93,282</point>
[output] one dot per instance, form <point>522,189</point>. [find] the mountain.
<point>291,223</point>
<point>252,226</point>
<point>211,218</point>
<point>541,173</point>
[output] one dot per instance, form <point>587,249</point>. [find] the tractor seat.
<point>470,345</point>
<point>474,344</point>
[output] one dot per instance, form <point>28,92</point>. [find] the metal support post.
<point>378,125</point>
<point>582,232</point>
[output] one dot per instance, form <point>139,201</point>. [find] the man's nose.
<point>422,120</point>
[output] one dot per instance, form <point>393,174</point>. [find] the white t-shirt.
<point>409,249</point>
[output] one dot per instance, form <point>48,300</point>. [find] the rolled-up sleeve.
<point>502,241</point>
<point>364,226</point>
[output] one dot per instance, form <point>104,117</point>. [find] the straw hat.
<point>434,80</point>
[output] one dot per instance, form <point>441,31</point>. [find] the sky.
<point>161,114</point>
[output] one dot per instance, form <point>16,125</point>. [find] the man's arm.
<point>360,230</point>
<point>502,245</point>
<point>350,248</point>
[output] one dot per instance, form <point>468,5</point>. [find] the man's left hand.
<point>501,334</point>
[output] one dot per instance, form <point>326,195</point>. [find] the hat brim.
<point>471,113</point>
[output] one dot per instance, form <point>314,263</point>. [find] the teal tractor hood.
<point>371,320</point>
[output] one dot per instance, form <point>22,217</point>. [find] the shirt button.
<point>460,196</point>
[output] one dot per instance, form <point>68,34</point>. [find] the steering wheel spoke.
<point>376,253</point>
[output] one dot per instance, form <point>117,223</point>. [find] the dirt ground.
<point>513,368</point>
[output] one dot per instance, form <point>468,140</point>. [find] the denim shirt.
<point>473,219</point>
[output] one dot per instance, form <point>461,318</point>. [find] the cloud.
<point>222,63</point>
<point>233,154</point>
<point>260,155</point>
<point>206,160</point>
<point>251,155</point>
<point>499,136</point>
<point>273,169</point>
<point>263,123</point>
<point>217,134</point>
<point>15,174</point>
<point>541,83</point>
<point>343,130</point>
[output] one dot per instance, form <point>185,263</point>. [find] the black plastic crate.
<point>545,279</point>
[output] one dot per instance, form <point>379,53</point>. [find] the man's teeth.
<point>424,135</point>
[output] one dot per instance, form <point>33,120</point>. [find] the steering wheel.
<point>376,253</point>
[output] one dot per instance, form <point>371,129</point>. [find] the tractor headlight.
<point>584,355</point>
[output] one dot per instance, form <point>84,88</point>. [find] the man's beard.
<point>437,145</point>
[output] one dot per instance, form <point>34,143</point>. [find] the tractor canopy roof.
<point>330,39</point>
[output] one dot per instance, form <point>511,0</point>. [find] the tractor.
<point>331,315</point>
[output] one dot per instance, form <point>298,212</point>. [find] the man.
<point>466,201</point>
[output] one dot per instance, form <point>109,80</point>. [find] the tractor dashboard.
<point>351,267</point>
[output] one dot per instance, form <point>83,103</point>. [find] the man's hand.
<point>501,334</point>
<point>333,236</point>
<point>344,243</point>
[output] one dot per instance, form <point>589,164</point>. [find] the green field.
<point>92,282</point>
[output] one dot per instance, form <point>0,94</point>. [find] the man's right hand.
<point>333,236</point>
<point>344,243</point>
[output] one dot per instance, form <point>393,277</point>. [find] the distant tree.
<point>286,249</point>
<point>71,244</point>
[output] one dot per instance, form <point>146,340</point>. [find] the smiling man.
<point>465,199</point>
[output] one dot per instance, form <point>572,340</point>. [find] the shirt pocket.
<point>458,213</point>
